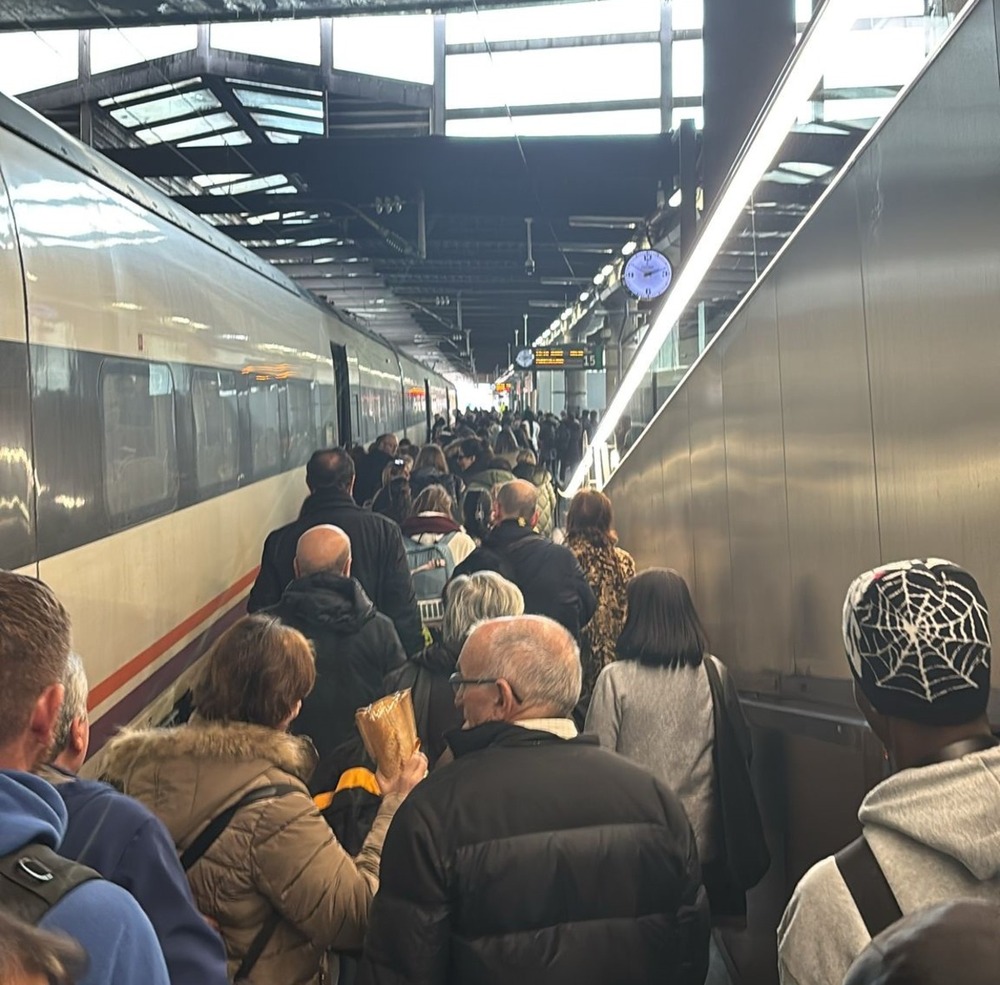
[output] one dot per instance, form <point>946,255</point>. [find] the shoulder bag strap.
<point>220,822</point>
<point>867,883</point>
<point>256,948</point>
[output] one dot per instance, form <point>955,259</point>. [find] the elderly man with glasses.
<point>536,857</point>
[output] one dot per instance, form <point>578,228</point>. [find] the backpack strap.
<point>867,883</point>
<point>34,878</point>
<point>220,822</point>
<point>204,841</point>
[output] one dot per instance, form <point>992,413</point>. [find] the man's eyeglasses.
<point>457,681</point>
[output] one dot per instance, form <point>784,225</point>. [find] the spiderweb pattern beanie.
<point>917,636</point>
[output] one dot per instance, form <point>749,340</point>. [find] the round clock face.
<point>647,274</point>
<point>525,358</point>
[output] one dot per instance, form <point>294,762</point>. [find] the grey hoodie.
<point>936,834</point>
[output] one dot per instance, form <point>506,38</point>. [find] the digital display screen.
<point>567,357</point>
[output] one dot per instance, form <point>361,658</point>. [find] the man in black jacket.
<point>356,646</point>
<point>536,858</point>
<point>379,557</point>
<point>549,576</point>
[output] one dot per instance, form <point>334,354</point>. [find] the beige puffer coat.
<point>276,853</point>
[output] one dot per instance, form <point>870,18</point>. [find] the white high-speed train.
<point>160,391</point>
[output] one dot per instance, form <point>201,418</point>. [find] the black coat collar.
<point>466,741</point>
<point>323,499</point>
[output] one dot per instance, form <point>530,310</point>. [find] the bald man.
<point>549,576</point>
<point>356,646</point>
<point>536,858</point>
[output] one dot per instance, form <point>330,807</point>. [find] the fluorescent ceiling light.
<point>599,279</point>
<point>811,58</point>
<point>675,199</point>
<point>629,248</point>
<point>584,296</point>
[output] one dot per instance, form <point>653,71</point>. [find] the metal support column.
<point>83,73</point>
<point>666,66</point>
<point>326,45</point>
<point>437,98</point>
<point>687,140</point>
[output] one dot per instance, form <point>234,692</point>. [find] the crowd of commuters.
<point>580,808</point>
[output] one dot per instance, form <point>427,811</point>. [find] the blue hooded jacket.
<point>129,845</point>
<point>119,940</point>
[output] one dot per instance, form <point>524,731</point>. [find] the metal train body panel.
<point>99,275</point>
<point>844,417</point>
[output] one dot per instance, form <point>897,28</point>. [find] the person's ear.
<point>79,736</point>
<point>42,722</point>
<point>535,517</point>
<point>506,702</point>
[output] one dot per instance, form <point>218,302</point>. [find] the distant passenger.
<point>355,645</point>
<point>231,787</point>
<point>548,575</point>
<point>382,452</point>
<point>607,568</point>
<point>127,844</point>
<point>535,858</point>
<point>918,643</point>
<point>379,558</point>
<point>481,469</point>
<point>955,943</point>
<point>29,956</point>
<point>527,468</point>
<point>469,599</point>
<point>431,468</point>
<point>394,497</point>
<point>34,647</point>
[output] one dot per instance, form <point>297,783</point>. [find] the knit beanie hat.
<point>917,635</point>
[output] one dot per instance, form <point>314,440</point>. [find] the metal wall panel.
<point>713,584</point>
<point>755,476</point>
<point>857,386</point>
<point>830,467</point>
<point>932,281</point>
<point>678,549</point>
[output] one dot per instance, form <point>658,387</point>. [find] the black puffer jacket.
<point>548,574</point>
<point>379,560</point>
<point>356,646</point>
<point>533,860</point>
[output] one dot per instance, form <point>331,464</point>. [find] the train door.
<point>429,409</point>
<point>17,460</point>
<point>342,390</point>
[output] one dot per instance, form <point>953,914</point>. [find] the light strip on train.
<point>811,59</point>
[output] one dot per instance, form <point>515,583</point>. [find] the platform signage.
<point>568,357</point>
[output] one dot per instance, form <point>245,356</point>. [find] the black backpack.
<point>34,878</point>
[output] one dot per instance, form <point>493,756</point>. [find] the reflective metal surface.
<point>847,413</point>
<point>829,465</point>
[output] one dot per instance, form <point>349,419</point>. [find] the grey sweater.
<point>662,719</point>
<point>936,834</point>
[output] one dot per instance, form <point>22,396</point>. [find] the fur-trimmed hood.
<point>187,774</point>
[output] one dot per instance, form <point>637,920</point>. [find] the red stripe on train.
<point>141,661</point>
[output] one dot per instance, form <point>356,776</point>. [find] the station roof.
<point>344,181</point>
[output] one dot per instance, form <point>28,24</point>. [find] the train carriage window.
<point>301,422</point>
<point>216,429</point>
<point>265,428</point>
<point>140,440</point>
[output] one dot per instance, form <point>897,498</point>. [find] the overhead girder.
<point>70,14</point>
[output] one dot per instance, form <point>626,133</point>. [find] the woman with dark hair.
<point>654,704</point>
<point>394,499</point>
<point>273,879</point>
<point>607,568</point>
<point>431,469</point>
<point>506,447</point>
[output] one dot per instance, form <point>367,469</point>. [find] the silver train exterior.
<point>160,391</point>
<point>846,416</point>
